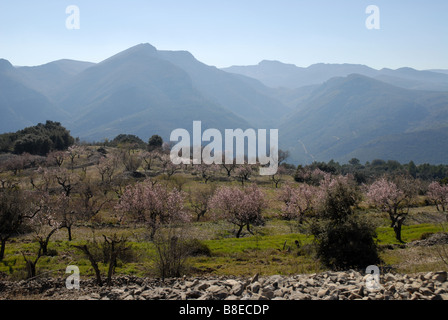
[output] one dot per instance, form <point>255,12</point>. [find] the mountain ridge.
<point>277,74</point>
<point>146,91</point>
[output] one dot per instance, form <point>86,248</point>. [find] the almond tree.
<point>240,206</point>
<point>243,173</point>
<point>74,152</point>
<point>229,167</point>
<point>42,179</point>
<point>65,179</point>
<point>112,248</point>
<point>311,176</point>
<point>56,158</point>
<point>438,194</point>
<point>169,168</point>
<point>149,157</point>
<point>15,163</point>
<point>205,171</point>
<point>153,205</point>
<point>199,200</point>
<point>277,178</point>
<point>17,209</point>
<point>11,215</point>
<point>84,205</point>
<point>107,168</point>
<point>298,202</point>
<point>48,219</point>
<point>392,199</point>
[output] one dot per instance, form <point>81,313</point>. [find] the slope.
<point>138,93</point>
<point>20,105</point>
<point>345,114</point>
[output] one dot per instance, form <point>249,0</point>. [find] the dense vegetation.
<point>37,140</point>
<point>376,168</point>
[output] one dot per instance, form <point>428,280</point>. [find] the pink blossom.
<point>239,206</point>
<point>438,194</point>
<point>298,201</point>
<point>153,205</point>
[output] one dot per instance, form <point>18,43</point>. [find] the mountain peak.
<point>5,65</point>
<point>142,49</point>
<point>275,63</point>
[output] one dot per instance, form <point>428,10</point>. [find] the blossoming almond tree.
<point>153,205</point>
<point>239,206</point>
<point>438,194</point>
<point>298,201</point>
<point>393,199</point>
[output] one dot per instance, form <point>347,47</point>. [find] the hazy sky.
<point>412,33</point>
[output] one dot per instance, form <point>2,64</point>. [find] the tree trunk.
<point>31,265</point>
<point>239,231</point>
<point>31,269</point>
<point>2,248</point>
<point>397,229</point>
<point>44,243</point>
<point>44,247</point>
<point>69,231</point>
<point>112,262</point>
<point>94,264</point>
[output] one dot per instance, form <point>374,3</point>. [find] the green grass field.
<point>270,251</point>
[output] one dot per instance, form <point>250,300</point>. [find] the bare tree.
<point>74,152</point>
<point>56,158</point>
<point>47,220</point>
<point>65,179</point>
<point>278,177</point>
<point>110,250</point>
<point>243,173</point>
<point>16,208</point>
<point>205,171</point>
<point>199,200</point>
<point>228,167</point>
<point>149,157</point>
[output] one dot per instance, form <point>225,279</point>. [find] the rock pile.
<point>440,238</point>
<point>349,285</point>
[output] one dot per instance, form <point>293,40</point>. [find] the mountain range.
<point>277,74</point>
<point>323,112</point>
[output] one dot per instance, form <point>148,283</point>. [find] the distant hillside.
<point>138,92</point>
<point>346,114</point>
<point>277,74</point>
<point>425,146</point>
<point>48,77</point>
<point>20,105</point>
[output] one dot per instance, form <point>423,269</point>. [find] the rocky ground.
<point>349,285</point>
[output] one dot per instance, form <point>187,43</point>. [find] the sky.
<point>412,33</point>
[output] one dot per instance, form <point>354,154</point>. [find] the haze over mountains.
<point>277,74</point>
<point>323,112</point>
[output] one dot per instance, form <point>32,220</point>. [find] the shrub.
<point>172,252</point>
<point>197,248</point>
<point>343,238</point>
<point>346,245</point>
